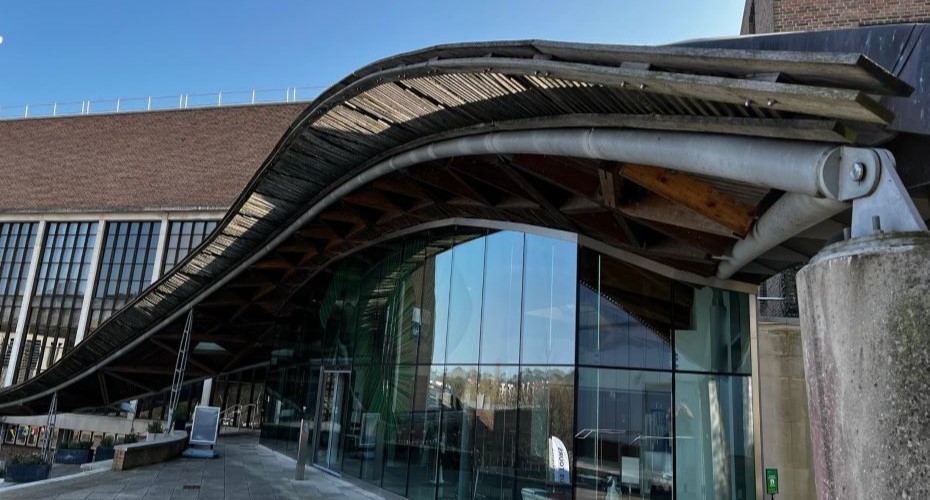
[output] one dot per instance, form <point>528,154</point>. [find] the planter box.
<point>66,456</point>
<point>26,473</point>
<point>102,454</point>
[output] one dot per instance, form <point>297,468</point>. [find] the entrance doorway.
<point>330,419</point>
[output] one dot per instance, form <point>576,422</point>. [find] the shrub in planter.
<point>74,452</point>
<point>130,438</point>
<point>27,468</point>
<point>154,429</point>
<point>104,450</point>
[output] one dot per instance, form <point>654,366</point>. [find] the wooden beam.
<point>655,208</point>
<point>128,380</point>
<point>557,171</point>
<point>610,187</point>
<point>710,243</point>
<point>694,194</point>
<point>104,395</point>
<point>190,359</point>
<point>607,224</point>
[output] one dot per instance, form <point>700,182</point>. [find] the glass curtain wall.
<point>512,365</point>
<point>126,267</point>
<point>55,311</point>
<point>17,240</point>
<point>184,236</point>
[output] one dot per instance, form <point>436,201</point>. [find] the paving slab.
<point>244,470</point>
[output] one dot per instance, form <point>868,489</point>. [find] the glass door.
<point>330,420</point>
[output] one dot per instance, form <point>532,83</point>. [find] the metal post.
<point>26,113</point>
<point>50,427</point>
<point>149,107</point>
<point>117,104</point>
<point>180,101</point>
<point>219,98</point>
<point>302,447</point>
<point>54,109</point>
<point>179,369</point>
<point>253,96</point>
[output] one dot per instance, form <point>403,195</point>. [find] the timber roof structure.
<point>292,221</point>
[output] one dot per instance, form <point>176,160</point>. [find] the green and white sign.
<point>771,481</point>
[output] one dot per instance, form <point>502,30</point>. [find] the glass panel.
<point>713,431</point>
<point>547,398</point>
<point>459,400</point>
<point>625,314</point>
<point>437,274</point>
<point>51,327</point>
<point>17,241</point>
<point>503,296</point>
<point>496,431</point>
<point>364,430</point>
<point>425,436</point>
<point>400,383</point>
<point>715,336</point>
<point>465,302</point>
<point>624,434</point>
<point>549,301</point>
<point>330,420</point>
<point>125,269</point>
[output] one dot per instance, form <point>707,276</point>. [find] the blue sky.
<point>69,50</point>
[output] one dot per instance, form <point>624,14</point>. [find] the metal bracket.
<point>889,208</point>
<point>849,173</point>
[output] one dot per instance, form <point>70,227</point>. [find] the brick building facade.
<point>773,16</point>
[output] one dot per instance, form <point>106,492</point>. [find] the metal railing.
<point>159,103</point>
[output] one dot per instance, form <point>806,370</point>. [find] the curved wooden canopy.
<point>265,248</point>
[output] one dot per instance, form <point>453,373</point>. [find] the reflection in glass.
<point>499,420</point>
<point>425,435</point>
<point>713,427</point>
<point>126,267</point>
<point>465,302</point>
<point>625,314</point>
<point>624,434</point>
<point>330,421</point>
<point>546,411</point>
<point>496,431</point>
<point>55,310</point>
<point>549,301</point>
<point>716,336</point>
<point>400,380</point>
<point>17,240</point>
<point>459,400</point>
<point>503,295</point>
<point>437,274</point>
<point>364,428</point>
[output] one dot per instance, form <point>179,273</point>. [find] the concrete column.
<point>206,392</point>
<point>865,323</point>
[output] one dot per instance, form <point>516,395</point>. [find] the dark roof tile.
<point>184,159</point>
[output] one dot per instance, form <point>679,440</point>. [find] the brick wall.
<point>813,15</point>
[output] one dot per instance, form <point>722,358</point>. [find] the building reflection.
<point>468,364</point>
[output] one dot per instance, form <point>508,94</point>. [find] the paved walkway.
<point>244,471</point>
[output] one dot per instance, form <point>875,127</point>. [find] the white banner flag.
<point>558,461</point>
